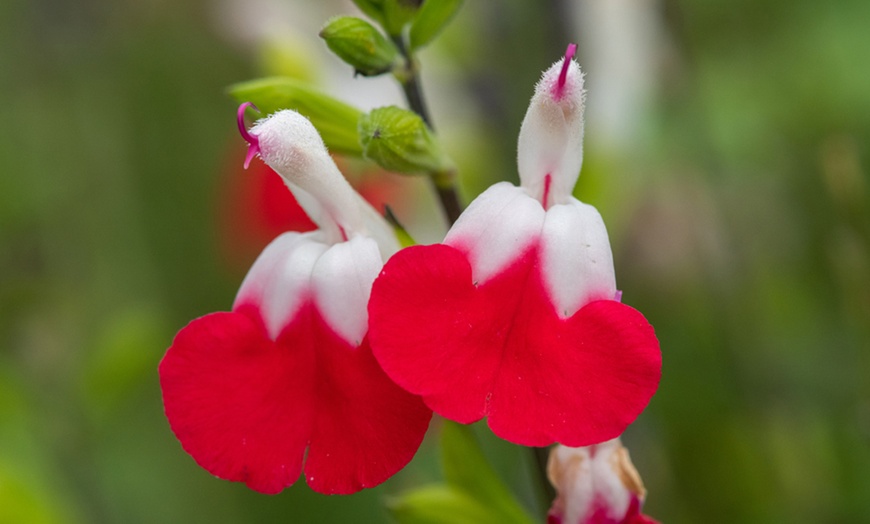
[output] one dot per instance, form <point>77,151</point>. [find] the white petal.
<point>373,224</point>
<point>551,136</point>
<point>291,146</point>
<point>342,282</point>
<point>570,472</point>
<point>576,257</point>
<point>608,463</point>
<point>496,228</point>
<point>279,280</point>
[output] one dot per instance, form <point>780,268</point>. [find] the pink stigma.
<point>563,75</point>
<point>548,181</point>
<point>252,140</point>
<point>343,234</point>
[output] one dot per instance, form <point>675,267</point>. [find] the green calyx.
<point>361,45</point>
<point>398,140</point>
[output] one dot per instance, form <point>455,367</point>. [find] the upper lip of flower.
<point>335,265</point>
<point>290,144</point>
<point>550,143</point>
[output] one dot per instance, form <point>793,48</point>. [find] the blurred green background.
<point>727,149</point>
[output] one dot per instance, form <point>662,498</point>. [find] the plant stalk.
<point>444,183</point>
<point>547,492</point>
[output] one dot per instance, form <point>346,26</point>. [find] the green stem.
<point>546,492</point>
<point>444,183</point>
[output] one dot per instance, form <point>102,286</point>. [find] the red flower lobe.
<point>246,407</point>
<point>500,350</point>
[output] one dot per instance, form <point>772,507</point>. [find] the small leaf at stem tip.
<point>405,239</point>
<point>252,140</point>
<point>371,8</point>
<point>563,75</point>
<point>432,18</point>
<point>392,15</point>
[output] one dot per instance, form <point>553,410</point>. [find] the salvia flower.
<point>596,484</point>
<point>290,367</point>
<point>516,316</point>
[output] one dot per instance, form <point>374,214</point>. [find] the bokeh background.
<point>727,149</point>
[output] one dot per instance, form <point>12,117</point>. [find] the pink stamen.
<point>563,75</point>
<point>343,234</point>
<point>618,296</point>
<point>548,181</point>
<point>252,140</point>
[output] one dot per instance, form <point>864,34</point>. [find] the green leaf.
<point>335,121</point>
<point>432,18</point>
<point>467,470</point>
<point>398,140</point>
<point>22,501</point>
<point>405,238</point>
<point>392,15</point>
<point>398,14</point>
<point>438,504</point>
<point>122,358</point>
<point>358,43</point>
<point>372,8</point>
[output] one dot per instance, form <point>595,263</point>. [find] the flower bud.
<point>358,43</point>
<point>595,484</point>
<point>398,140</point>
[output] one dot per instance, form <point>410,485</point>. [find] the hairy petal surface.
<point>551,136</point>
<point>501,349</point>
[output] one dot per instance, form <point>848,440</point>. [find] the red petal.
<point>427,335</point>
<point>241,405</point>
<point>246,407</point>
<point>367,428</point>
<point>499,349</point>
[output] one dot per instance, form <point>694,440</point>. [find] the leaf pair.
<point>427,18</point>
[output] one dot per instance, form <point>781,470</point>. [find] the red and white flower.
<point>290,367</point>
<point>595,485</point>
<point>516,316</point>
